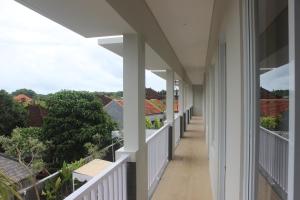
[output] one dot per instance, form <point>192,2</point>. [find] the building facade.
<point>232,48</point>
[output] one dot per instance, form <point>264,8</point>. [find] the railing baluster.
<point>115,184</point>
<point>124,177</point>
<point>93,195</point>
<point>111,184</point>
<point>157,156</point>
<point>273,156</point>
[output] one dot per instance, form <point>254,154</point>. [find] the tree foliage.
<point>114,95</point>
<point>24,144</point>
<point>12,114</point>
<point>73,119</point>
<point>27,92</point>
<point>61,187</point>
<point>7,188</point>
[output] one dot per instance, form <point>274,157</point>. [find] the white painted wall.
<point>227,23</point>
<point>198,100</point>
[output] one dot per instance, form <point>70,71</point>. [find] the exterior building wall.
<point>226,28</point>
<point>114,110</point>
<point>198,100</point>
<point>273,107</point>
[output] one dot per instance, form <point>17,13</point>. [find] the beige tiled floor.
<point>187,176</point>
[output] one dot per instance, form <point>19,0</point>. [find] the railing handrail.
<point>156,133</point>
<point>97,178</point>
<point>57,173</point>
<point>273,133</point>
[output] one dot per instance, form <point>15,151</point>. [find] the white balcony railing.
<point>109,184</point>
<point>273,156</point>
<point>112,182</point>
<point>177,129</point>
<point>157,156</point>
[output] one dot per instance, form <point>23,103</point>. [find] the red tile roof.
<point>150,108</point>
<point>152,94</point>
<point>159,103</point>
<point>22,98</point>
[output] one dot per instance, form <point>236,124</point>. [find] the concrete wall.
<point>198,100</point>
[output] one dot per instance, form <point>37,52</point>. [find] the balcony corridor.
<point>187,176</point>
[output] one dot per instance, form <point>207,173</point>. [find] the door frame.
<point>250,103</point>
<point>222,90</point>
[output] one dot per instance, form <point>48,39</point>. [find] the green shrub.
<point>271,123</point>
<point>61,187</point>
<point>157,123</point>
<point>148,123</point>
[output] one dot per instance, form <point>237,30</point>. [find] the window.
<point>272,56</point>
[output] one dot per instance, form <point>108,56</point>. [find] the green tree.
<point>7,188</point>
<point>12,114</point>
<point>73,119</point>
<point>27,92</point>
<point>148,123</point>
<point>24,144</point>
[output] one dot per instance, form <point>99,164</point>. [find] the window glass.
<point>272,61</point>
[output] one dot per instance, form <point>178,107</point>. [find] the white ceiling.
<point>152,60</point>
<point>180,26</point>
<point>186,25</point>
<point>89,18</point>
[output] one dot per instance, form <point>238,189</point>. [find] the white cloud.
<point>276,79</point>
<point>154,81</point>
<point>39,54</point>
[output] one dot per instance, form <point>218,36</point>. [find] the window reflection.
<point>272,61</point>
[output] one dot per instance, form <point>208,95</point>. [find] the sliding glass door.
<point>272,62</point>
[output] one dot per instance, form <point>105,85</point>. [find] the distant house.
<point>22,98</point>
<point>36,115</point>
<point>15,171</point>
<point>104,99</point>
<point>152,94</point>
<point>266,94</point>
<point>115,110</point>
<point>272,105</point>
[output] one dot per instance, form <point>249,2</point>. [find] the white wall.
<point>234,103</point>
<point>226,25</point>
<point>197,100</point>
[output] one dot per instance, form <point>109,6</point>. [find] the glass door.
<point>272,57</point>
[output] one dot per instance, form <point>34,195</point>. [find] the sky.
<point>276,79</point>
<point>41,55</point>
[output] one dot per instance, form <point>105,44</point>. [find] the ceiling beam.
<point>139,16</point>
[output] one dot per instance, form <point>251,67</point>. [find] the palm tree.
<point>7,188</point>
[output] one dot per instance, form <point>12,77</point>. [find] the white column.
<point>170,104</point>
<point>170,97</point>
<point>133,109</point>
<point>294,109</point>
